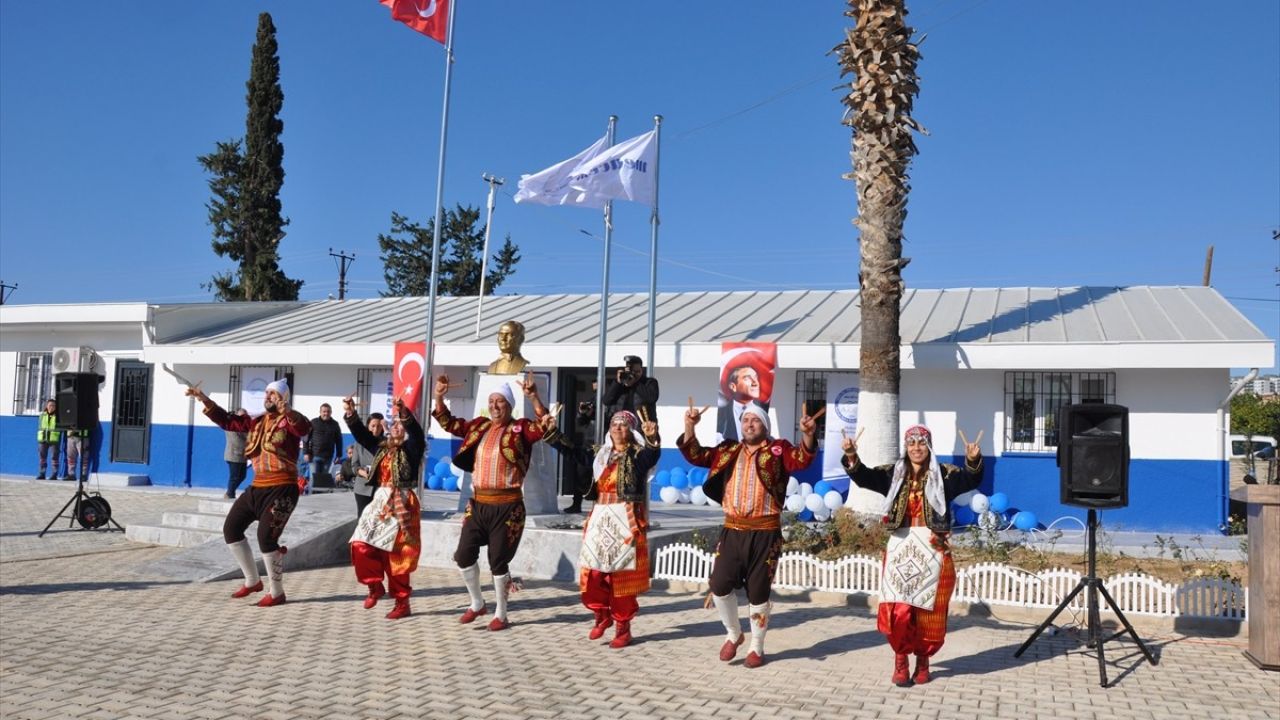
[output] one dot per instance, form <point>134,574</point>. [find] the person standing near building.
<point>78,454</point>
<point>233,453</point>
<point>48,438</point>
<point>749,480</point>
<point>495,450</point>
<point>918,493</point>
<point>272,445</point>
<point>322,447</point>
<point>631,390</point>
<point>363,485</point>
<point>388,538</point>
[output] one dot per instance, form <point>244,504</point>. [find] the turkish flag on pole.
<point>429,17</point>
<point>407,375</point>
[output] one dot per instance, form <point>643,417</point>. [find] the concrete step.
<point>218,506</point>
<point>170,535</point>
<point>196,520</point>
<point>117,479</point>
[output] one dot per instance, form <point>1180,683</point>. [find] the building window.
<point>1032,401</point>
<point>237,373</point>
<point>811,393</point>
<point>371,384</point>
<point>33,382</point>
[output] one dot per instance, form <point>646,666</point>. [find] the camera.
<point>586,408</point>
<point>625,375</point>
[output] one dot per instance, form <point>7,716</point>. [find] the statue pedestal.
<point>1263,503</point>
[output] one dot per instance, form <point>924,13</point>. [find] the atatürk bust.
<point>510,337</point>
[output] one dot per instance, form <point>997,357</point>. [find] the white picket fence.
<point>988,583</point>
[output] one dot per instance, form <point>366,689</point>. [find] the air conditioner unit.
<point>75,359</point>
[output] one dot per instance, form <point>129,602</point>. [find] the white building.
<point>998,359</point>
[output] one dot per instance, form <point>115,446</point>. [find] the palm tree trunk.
<point>879,57</point>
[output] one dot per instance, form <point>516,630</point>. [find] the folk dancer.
<point>611,576</point>
<point>272,446</point>
<point>749,480</point>
<point>918,493</point>
<point>496,451</point>
<point>388,538</point>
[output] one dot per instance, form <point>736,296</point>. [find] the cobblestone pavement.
<point>82,635</point>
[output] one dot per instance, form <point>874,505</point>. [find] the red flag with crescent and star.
<point>429,17</point>
<point>407,373</point>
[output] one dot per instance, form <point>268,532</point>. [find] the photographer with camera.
<point>632,390</point>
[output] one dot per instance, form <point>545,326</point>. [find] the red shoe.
<point>270,600</point>
<point>901,670</point>
<point>603,621</point>
<point>244,590</point>
<point>730,648</point>
<point>753,660</point>
<point>622,637</point>
<point>922,670</point>
<point>497,624</point>
<point>400,610</point>
<point>470,615</point>
<point>375,591</point>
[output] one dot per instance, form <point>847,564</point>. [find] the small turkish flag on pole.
<point>429,17</point>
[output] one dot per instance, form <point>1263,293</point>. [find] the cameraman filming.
<point>632,390</point>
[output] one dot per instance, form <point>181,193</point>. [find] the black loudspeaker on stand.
<point>77,401</point>
<point>1093,462</point>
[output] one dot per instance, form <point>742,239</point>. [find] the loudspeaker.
<point>77,398</point>
<point>1093,455</point>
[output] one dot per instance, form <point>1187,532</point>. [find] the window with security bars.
<point>32,382</point>
<point>281,371</point>
<point>811,394</point>
<point>366,379</point>
<point>1032,401</point>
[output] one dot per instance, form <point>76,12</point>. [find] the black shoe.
<point>40,476</point>
<point>67,477</point>
<point>573,510</point>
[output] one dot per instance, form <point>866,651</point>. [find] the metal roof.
<point>970,316</point>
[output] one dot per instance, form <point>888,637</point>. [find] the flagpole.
<point>484,256</point>
<point>428,377</point>
<point>601,421</point>
<point>653,241</point>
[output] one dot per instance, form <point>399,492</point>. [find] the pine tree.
<point>406,256</point>
<point>245,212</point>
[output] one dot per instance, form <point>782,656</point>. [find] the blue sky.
<point>1094,142</point>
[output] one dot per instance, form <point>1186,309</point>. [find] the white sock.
<point>275,572</point>
<point>727,605</point>
<point>500,589</point>
<point>244,558</point>
<point>471,578</point>
<point>759,626</point>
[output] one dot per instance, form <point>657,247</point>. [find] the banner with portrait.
<point>746,378</point>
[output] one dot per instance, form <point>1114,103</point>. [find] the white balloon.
<point>979,503</point>
<point>832,499</point>
<point>794,503</point>
<point>697,496</point>
<point>822,513</point>
<point>805,489</point>
<point>963,499</point>
<point>685,497</point>
<point>793,486</point>
<point>813,501</point>
<point>669,495</point>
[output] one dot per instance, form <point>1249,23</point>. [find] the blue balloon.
<point>821,488</point>
<point>679,482</point>
<point>434,483</point>
<point>962,515</point>
<point>662,479</point>
<point>999,502</point>
<point>678,471</point>
<point>840,485</point>
<point>805,515</point>
<point>696,478</point>
<point>450,483</point>
<point>1025,520</point>
<point>442,467</point>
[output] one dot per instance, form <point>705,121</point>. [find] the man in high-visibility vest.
<point>49,438</point>
<point>77,454</point>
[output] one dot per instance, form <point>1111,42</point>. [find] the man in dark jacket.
<point>632,390</point>
<point>322,447</point>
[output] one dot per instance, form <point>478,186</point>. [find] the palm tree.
<point>880,60</point>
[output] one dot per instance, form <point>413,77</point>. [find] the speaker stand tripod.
<point>1094,586</point>
<point>77,500</point>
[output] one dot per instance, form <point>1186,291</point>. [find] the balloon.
<point>697,497</point>
<point>685,497</point>
<point>963,499</point>
<point>813,501</point>
<point>679,471</point>
<point>962,515</point>
<point>822,487</point>
<point>793,486</point>
<point>662,479</point>
<point>434,483</point>
<point>679,482</point>
<point>441,467</point>
<point>832,500</point>
<point>697,476</point>
<point>794,503</point>
<point>822,513</point>
<point>655,492</point>
<point>999,502</point>
<point>670,495</point>
<point>840,485</point>
<point>805,515</point>
<point>805,489</point>
<point>980,503</point>
<point>1025,520</point>
<point>450,483</point>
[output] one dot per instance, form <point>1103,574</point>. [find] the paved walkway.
<point>82,635</point>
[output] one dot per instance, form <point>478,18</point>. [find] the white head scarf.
<point>281,386</point>
<point>755,409</point>
<point>504,389</point>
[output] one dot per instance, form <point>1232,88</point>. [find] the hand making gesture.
<point>972,452</point>
<point>850,444</point>
<point>692,416</point>
<point>349,405</point>
<point>442,387</point>
<point>195,392</point>
<point>809,423</point>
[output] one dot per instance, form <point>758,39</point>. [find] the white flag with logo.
<point>626,171</point>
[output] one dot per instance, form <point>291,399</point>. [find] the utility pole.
<point>1208,265</point>
<point>494,182</point>
<point>343,260</point>
<point>6,291</point>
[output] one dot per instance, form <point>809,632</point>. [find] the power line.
<point>343,260</point>
<point>6,291</point>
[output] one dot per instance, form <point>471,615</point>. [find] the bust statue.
<point>510,337</point>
